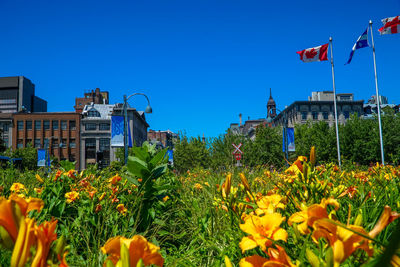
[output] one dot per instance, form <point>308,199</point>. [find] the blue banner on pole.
<point>117,131</point>
<point>129,136</point>
<point>170,154</point>
<point>41,158</point>
<point>290,138</point>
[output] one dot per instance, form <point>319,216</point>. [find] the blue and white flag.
<point>362,42</point>
<point>117,131</point>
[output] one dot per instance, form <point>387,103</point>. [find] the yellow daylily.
<point>308,215</point>
<point>71,196</point>
<point>268,204</point>
<point>17,188</point>
<point>297,166</point>
<point>129,251</point>
<point>37,176</point>
<point>262,231</point>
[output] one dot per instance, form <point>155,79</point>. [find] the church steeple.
<point>271,106</point>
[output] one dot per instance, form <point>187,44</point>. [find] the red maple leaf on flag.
<point>311,53</point>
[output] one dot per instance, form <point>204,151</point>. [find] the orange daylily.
<point>277,258</point>
<point>226,186</point>
<point>244,182</point>
<point>308,215</point>
<point>13,208</point>
<point>115,179</point>
<point>387,217</point>
<point>45,234</point>
<point>343,241</point>
<point>297,166</point>
<point>25,239</point>
<point>121,209</point>
<point>138,248</point>
<point>262,231</point>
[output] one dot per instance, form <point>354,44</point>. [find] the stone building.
<point>320,107</point>
<point>56,131</point>
<point>248,128</point>
<point>96,135</point>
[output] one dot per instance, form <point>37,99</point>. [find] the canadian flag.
<point>390,25</point>
<point>318,53</point>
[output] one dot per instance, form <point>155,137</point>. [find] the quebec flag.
<point>362,42</point>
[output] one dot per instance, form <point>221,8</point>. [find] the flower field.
<point>146,214</point>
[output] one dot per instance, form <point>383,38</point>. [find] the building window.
<point>104,126</point>
<point>72,143</point>
<point>54,143</point>
<point>19,143</point>
<point>90,148</point>
<point>5,140</point>
<point>5,127</point>
<point>64,143</point>
<point>46,143</point>
<point>93,113</point>
<point>304,116</point>
<point>325,114</point>
<point>20,125</point>
<point>315,115</point>
<point>29,125</point>
<point>72,125</point>
<point>37,143</point>
<point>90,126</point>
<point>55,125</point>
<point>28,143</point>
<point>46,125</point>
<point>38,125</point>
<point>104,144</point>
<point>63,125</point>
<point>346,114</point>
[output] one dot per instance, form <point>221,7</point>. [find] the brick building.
<point>93,97</point>
<point>57,131</point>
<point>162,138</point>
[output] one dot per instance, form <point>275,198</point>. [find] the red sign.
<point>238,156</point>
<point>237,148</point>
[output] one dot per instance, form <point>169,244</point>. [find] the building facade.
<point>96,135</point>
<point>56,131</point>
<point>320,107</point>
<point>18,94</point>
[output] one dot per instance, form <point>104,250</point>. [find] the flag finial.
<point>370,22</point>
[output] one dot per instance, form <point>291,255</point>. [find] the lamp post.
<point>125,108</point>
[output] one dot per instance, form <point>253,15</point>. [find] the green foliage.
<point>147,164</point>
<point>359,140</point>
<point>191,153</point>
<point>28,155</point>
<point>266,149</point>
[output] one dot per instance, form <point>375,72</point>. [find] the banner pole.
<point>378,101</point>
<point>334,104</point>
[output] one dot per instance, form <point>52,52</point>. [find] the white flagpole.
<point>334,103</point>
<point>378,101</point>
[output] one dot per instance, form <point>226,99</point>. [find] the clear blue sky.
<point>200,62</point>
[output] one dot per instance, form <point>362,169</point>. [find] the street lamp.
<point>147,110</point>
